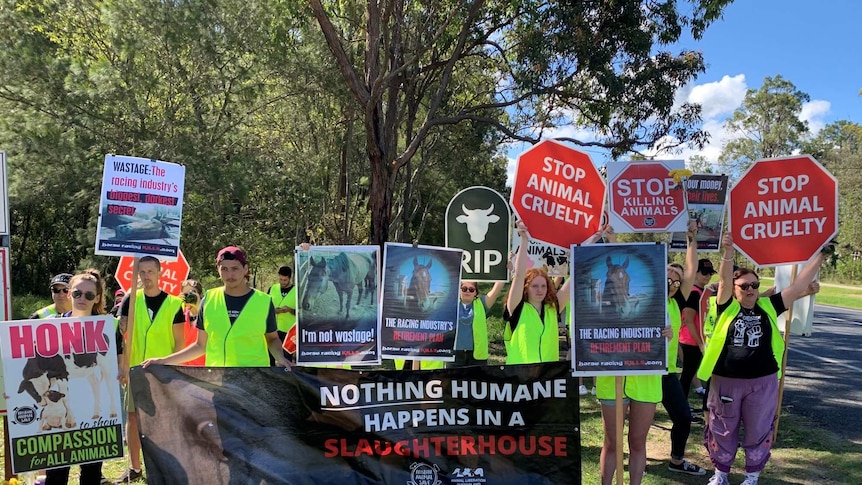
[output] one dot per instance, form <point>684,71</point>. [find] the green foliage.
<point>766,125</point>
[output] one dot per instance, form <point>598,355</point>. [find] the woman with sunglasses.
<point>87,291</point>
<point>742,362</point>
<point>471,334</point>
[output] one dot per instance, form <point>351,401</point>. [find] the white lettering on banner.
<point>652,186</point>
<point>795,227</point>
<point>560,167</point>
<point>557,189</point>
<point>780,207</point>
<point>782,184</point>
<point>560,212</point>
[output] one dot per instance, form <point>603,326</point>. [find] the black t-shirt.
<point>234,305</point>
<point>747,352</point>
<point>285,291</point>
<point>683,302</point>
<point>153,304</point>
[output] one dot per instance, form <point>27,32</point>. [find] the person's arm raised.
<point>725,270</point>
<point>516,292</point>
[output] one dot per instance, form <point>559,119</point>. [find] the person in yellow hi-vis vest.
<point>531,312</point>
<point>283,296</point>
<point>59,294</point>
<point>743,364</point>
<point>159,330</point>
<point>236,323</point>
<point>471,334</point>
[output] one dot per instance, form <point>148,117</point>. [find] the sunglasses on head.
<point>58,290</point>
<point>745,286</point>
<point>90,296</point>
<point>468,289</point>
<point>673,283</point>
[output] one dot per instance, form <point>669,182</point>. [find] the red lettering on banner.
<point>450,446</point>
<point>64,338</point>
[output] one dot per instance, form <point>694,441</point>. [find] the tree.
<point>602,65</point>
<point>766,125</point>
<point>699,164</point>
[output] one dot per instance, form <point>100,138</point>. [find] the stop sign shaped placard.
<point>783,210</point>
<point>173,273</point>
<point>558,193</point>
<point>645,198</point>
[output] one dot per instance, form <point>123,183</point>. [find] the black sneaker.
<point>696,420</point>
<point>130,476</point>
<point>686,467</point>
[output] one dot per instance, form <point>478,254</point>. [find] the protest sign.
<point>63,393</point>
<point>707,195</point>
<point>337,305</point>
<point>468,426</point>
<point>478,221</point>
<point>420,301</point>
<point>619,309</point>
<point>141,208</point>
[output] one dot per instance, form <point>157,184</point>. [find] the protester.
<point>471,334</point>
<point>742,362</point>
<point>158,331</point>
<point>191,292</point>
<point>691,343</point>
<point>283,296</point>
<point>680,307</point>
<point>641,394</point>
<point>60,294</point>
<point>236,323</point>
<point>87,290</point>
<point>532,311</point>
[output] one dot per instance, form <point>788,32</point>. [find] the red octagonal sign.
<point>558,193</point>
<point>647,199</point>
<point>173,273</point>
<point>783,210</point>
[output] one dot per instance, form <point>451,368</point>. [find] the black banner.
<point>474,425</point>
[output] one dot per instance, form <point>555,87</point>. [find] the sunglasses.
<point>59,290</point>
<point>746,286</point>
<point>467,289</point>
<point>90,296</point>
<point>673,283</point>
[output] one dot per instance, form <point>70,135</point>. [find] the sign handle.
<point>130,321</point>
<point>787,323</point>
<point>620,423</point>
<point>7,461</point>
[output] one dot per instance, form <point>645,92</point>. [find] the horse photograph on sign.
<point>420,301</point>
<point>618,309</point>
<point>337,305</point>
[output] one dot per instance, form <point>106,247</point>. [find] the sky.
<point>813,44</point>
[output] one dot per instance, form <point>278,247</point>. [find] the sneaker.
<point>718,480</point>
<point>750,479</point>
<point>688,468</point>
<point>582,390</point>
<point>696,420</point>
<point>700,391</point>
<point>593,391</point>
<point>130,476</point>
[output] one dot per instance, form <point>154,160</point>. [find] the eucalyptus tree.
<point>766,125</point>
<point>606,66</point>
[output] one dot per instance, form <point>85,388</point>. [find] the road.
<point>824,372</point>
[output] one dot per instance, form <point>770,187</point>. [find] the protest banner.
<point>337,305</point>
<point>619,309</point>
<point>63,393</point>
<point>478,220</point>
<point>141,208</point>
<point>707,196</point>
<point>477,425</point>
<point>553,259</point>
<point>558,193</point>
<point>420,301</point>
<point>644,197</point>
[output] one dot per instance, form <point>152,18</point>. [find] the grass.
<point>803,455</point>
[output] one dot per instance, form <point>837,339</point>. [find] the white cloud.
<point>814,113</point>
<point>719,98</point>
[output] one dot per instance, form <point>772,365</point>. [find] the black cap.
<point>704,266</point>
<point>61,279</point>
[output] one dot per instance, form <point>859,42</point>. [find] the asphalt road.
<point>824,372</point>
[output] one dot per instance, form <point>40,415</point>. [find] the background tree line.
<point>328,122</point>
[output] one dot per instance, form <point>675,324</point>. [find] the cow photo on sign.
<point>478,221</point>
<point>554,260</point>
<point>337,305</point>
<point>644,197</point>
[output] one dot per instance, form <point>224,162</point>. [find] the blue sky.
<point>813,44</point>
